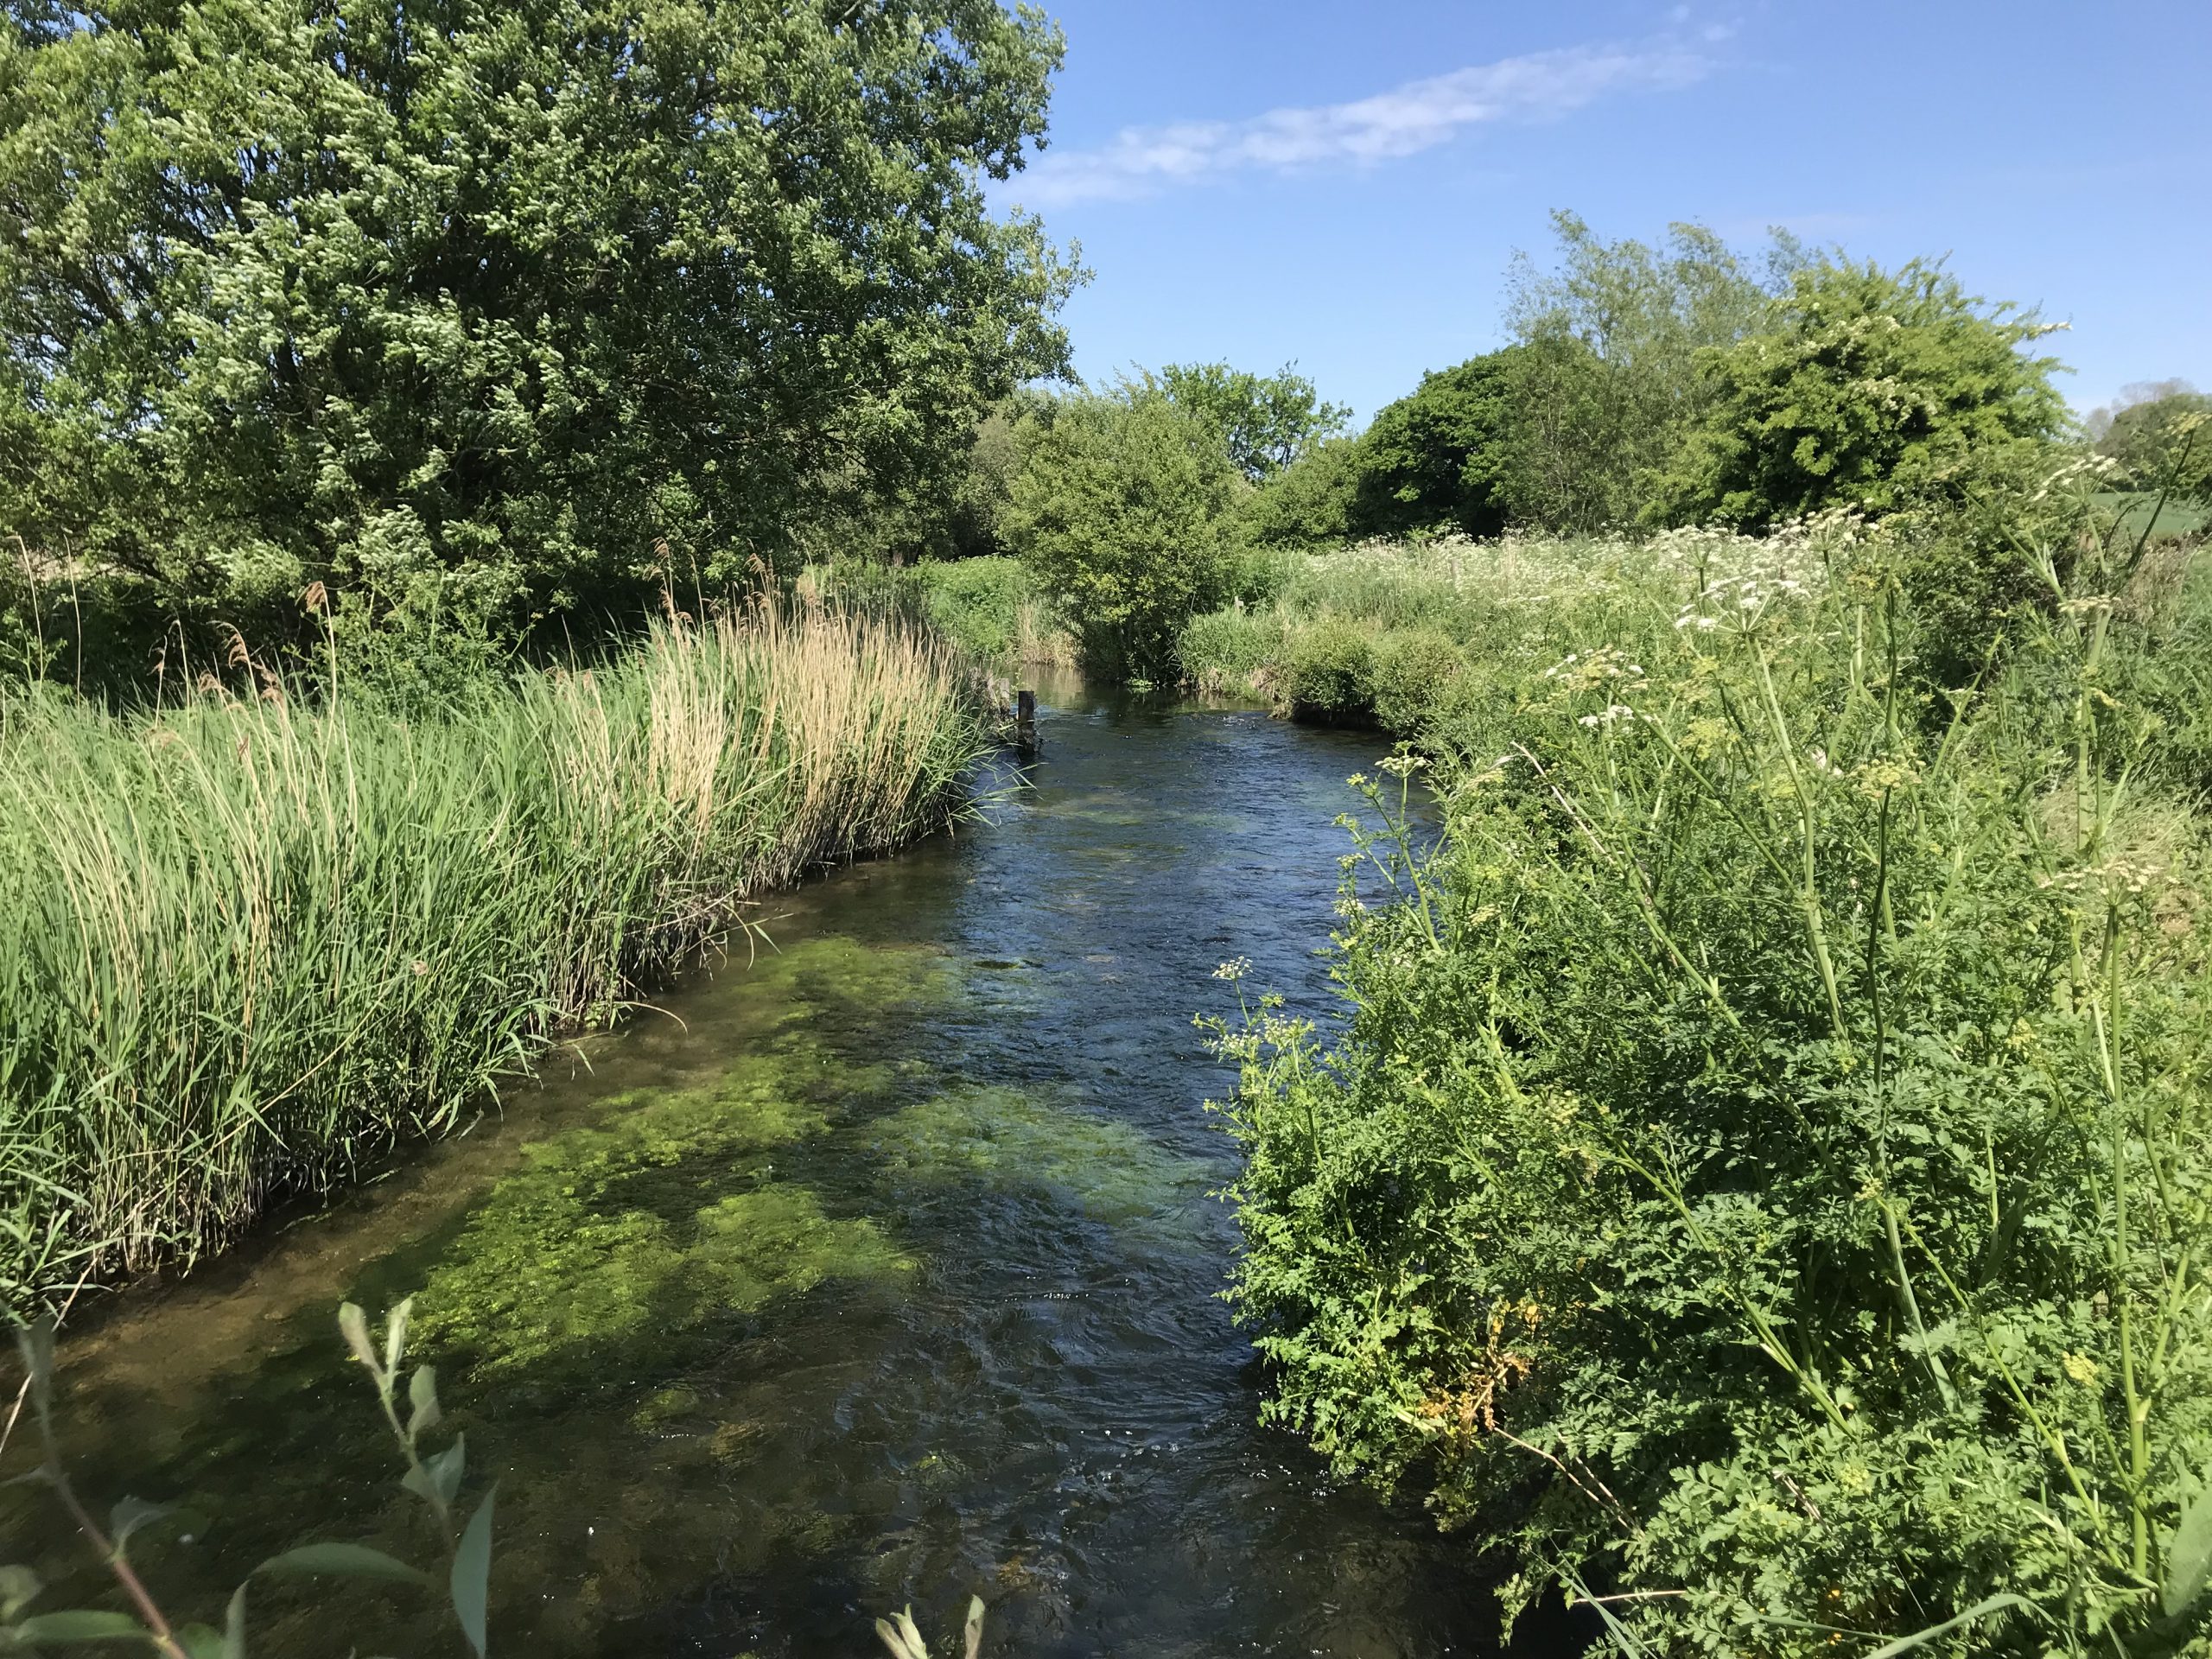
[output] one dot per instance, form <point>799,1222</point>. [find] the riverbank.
<point>246,946</point>
<point>879,1266</point>
<point>1761,1162</point>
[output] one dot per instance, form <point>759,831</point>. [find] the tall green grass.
<point>1379,632</point>
<point>246,946</point>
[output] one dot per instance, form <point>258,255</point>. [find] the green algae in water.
<point>1010,1138</point>
<point>824,977</point>
<point>667,1211</point>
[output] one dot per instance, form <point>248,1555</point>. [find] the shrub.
<point>1413,677</point>
<point>1123,510</point>
<point>977,601</point>
<point>1328,672</point>
<point>1862,387</point>
<point>1762,1179</point>
<point>1224,651</point>
<point>1310,502</point>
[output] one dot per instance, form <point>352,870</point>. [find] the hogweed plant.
<point>1762,1181</point>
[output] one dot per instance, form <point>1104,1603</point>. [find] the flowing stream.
<point>883,1266</point>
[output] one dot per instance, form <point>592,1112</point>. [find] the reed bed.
<point>246,946</point>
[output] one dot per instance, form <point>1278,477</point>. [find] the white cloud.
<point>1404,121</point>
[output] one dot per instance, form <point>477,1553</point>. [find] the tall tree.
<point>499,304</point>
<point>2161,435</point>
<point>1268,421</point>
<point>1433,460</point>
<point>1606,384</point>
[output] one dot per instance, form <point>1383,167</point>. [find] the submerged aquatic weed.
<point>667,1209</point>
<point>1011,1139</point>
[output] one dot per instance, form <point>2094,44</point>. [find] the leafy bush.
<point>978,603</point>
<point>1328,670</point>
<point>1123,511</point>
<point>1309,503</point>
<point>1762,1179</point>
<point>1862,387</point>
<point>1413,677</point>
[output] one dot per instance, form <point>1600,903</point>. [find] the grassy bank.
<point>245,946</point>
<point>988,606</point>
<point>1762,1181</point>
<point>1381,633</point>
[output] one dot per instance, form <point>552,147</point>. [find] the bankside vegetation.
<point>247,943</point>
<point>1760,1187</point>
<point>418,350</point>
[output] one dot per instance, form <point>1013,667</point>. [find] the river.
<point>877,1264</point>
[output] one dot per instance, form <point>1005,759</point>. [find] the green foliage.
<point>1414,603</point>
<point>1605,384</point>
<point>433,1478</point>
<point>486,313</point>
<point>990,608</point>
<point>1124,512</point>
<point>1862,387</point>
<point>245,944</point>
<point>2161,443</point>
<point>1328,670</point>
<point>1268,421</point>
<point>1414,677</point>
<point>1312,503</point>
<point>1226,650</point>
<point>1431,461</point>
<point>1761,1180</point>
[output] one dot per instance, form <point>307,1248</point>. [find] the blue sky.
<point>1265,180</point>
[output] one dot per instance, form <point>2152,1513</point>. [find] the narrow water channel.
<point>880,1268</point>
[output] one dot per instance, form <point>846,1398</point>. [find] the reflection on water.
<point>883,1266</point>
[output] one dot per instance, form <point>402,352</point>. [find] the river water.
<point>878,1267</point>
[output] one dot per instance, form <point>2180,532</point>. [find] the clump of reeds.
<point>245,945</point>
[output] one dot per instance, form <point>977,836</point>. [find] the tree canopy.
<point>1862,387</point>
<point>1605,385</point>
<point>1432,460</point>
<point>2162,438</point>
<point>503,305</point>
<point>1268,421</point>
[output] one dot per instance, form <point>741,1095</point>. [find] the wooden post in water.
<point>1025,719</point>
